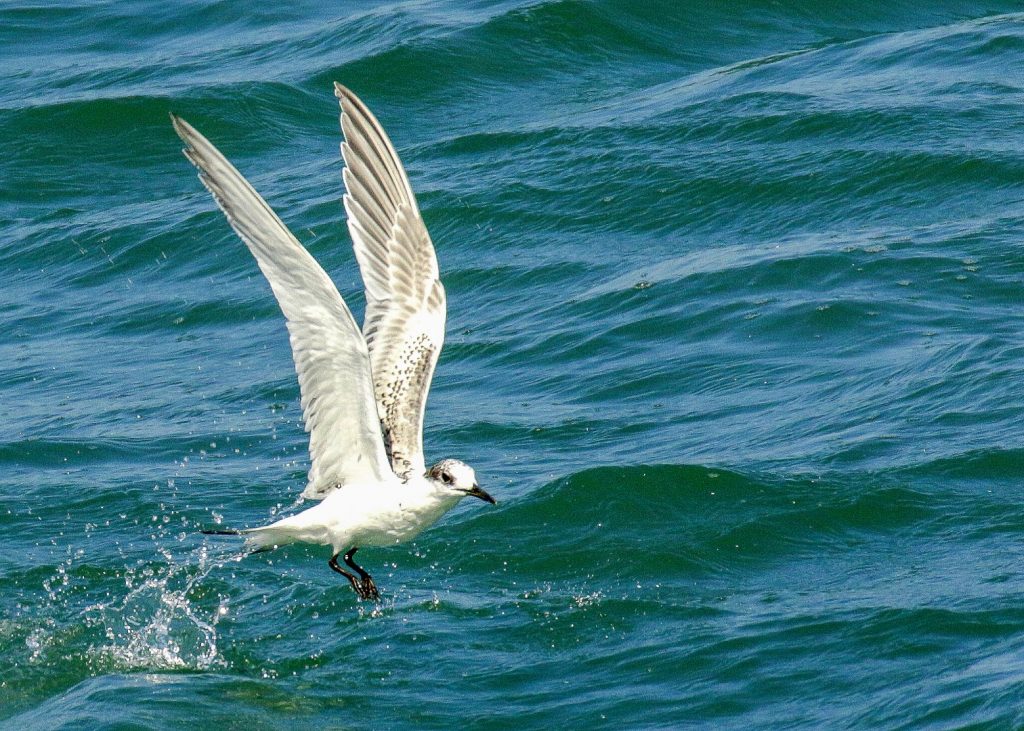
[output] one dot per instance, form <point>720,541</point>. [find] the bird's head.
<point>454,476</point>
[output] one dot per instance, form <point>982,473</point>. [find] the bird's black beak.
<point>482,494</point>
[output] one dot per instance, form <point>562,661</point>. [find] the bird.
<point>363,392</point>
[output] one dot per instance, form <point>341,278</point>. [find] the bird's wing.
<point>330,353</point>
<point>405,301</point>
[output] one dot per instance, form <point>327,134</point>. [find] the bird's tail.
<point>257,540</point>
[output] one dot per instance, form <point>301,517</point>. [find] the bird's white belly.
<point>381,518</point>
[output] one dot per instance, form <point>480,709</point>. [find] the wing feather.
<point>405,300</point>
<point>331,356</point>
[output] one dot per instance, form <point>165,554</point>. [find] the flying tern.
<point>363,393</point>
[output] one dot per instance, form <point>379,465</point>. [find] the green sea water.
<point>735,336</point>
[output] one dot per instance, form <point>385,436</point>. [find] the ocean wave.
<point>687,521</point>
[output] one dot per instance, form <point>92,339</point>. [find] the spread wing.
<point>330,354</point>
<point>405,301</point>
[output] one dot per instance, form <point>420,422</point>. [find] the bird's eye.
<point>446,478</point>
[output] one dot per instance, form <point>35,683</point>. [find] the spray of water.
<point>164,621</point>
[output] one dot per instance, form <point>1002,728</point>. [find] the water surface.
<point>735,337</point>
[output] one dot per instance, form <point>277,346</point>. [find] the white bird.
<point>363,394</point>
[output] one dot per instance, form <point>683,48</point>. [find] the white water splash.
<point>159,625</point>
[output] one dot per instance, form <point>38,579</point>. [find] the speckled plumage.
<point>405,300</point>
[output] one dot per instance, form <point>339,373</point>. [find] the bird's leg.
<point>366,589</point>
<point>333,563</point>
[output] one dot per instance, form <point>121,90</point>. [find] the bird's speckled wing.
<point>405,301</point>
<point>330,353</point>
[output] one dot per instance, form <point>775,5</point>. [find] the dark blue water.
<point>735,336</point>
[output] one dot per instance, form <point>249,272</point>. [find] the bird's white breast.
<point>381,514</point>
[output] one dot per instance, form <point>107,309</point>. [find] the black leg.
<point>366,589</point>
<point>333,563</point>
<point>353,565</point>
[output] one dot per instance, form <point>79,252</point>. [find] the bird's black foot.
<point>363,586</point>
<point>366,589</point>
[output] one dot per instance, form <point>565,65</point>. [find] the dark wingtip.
<point>221,532</point>
<point>183,129</point>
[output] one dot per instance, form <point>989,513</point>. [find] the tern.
<point>363,393</point>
